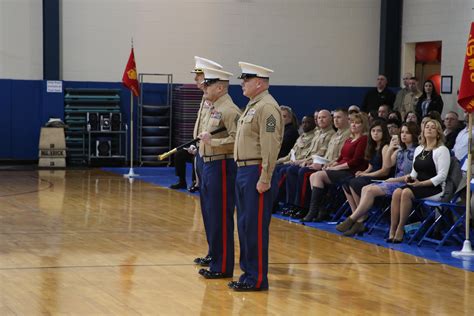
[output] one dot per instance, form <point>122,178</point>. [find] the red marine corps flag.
<point>130,79</point>
<point>466,92</point>
<point>466,101</point>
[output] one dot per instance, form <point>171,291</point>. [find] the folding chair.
<point>444,213</point>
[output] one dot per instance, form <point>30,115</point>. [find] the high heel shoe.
<point>345,225</point>
<point>398,240</point>
<point>389,240</point>
<point>357,229</point>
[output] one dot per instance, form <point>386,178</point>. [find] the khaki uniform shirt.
<point>303,143</point>
<point>201,115</point>
<point>223,113</point>
<point>399,98</point>
<point>260,133</point>
<point>320,142</point>
<point>335,144</point>
<point>409,103</point>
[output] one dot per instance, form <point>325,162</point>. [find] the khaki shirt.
<point>201,115</point>
<point>223,113</point>
<point>300,148</point>
<point>409,103</point>
<point>260,133</point>
<point>320,142</point>
<point>335,144</point>
<point>399,98</point>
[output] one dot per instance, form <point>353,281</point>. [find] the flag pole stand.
<point>131,173</point>
<point>466,250</point>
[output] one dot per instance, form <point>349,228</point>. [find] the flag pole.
<point>131,173</point>
<point>466,250</point>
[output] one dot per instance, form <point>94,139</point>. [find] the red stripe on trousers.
<point>224,216</point>
<point>280,183</point>
<point>303,187</point>
<point>260,241</point>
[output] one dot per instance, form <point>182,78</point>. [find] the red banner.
<point>466,91</point>
<point>130,78</point>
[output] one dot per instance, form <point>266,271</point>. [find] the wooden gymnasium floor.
<point>87,242</point>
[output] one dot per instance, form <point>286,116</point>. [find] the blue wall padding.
<point>5,118</point>
<point>25,106</point>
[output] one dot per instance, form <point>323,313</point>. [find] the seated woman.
<point>349,162</point>
<point>375,153</point>
<point>426,180</point>
<point>400,154</point>
<point>411,117</point>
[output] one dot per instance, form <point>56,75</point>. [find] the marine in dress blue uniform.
<point>202,116</point>
<point>218,172</point>
<point>257,143</point>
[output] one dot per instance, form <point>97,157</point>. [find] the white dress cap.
<point>204,63</point>
<point>211,75</point>
<point>251,70</point>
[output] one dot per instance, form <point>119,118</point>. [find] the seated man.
<point>296,154</point>
<point>383,111</point>
<point>180,159</point>
<point>290,133</point>
<point>298,176</point>
<point>394,126</point>
<point>452,127</point>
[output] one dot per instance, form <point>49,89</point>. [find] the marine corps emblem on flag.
<point>129,78</point>
<point>271,124</point>
<point>132,74</point>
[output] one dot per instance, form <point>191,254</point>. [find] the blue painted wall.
<point>25,106</point>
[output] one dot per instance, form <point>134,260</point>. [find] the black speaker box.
<point>93,121</point>
<point>103,147</point>
<point>116,121</point>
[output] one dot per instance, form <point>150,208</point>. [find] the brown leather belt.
<point>249,162</point>
<point>217,157</point>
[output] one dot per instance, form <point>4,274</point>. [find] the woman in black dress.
<point>376,153</point>
<point>429,101</point>
<point>426,180</point>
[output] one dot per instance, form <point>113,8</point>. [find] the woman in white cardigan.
<point>426,180</point>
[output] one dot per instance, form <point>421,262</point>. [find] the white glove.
<point>192,150</point>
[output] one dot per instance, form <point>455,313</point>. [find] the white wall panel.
<point>21,39</point>
<point>306,42</point>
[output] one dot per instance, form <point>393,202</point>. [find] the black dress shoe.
<point>179,185</point>
<point>285,210</point>
<point>213,275</point>
<point>203,261</point>
<point>193,188</point>
<point>245,287</point>
<point>300,214</point>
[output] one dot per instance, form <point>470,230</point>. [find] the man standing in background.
<point>400,97</point>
